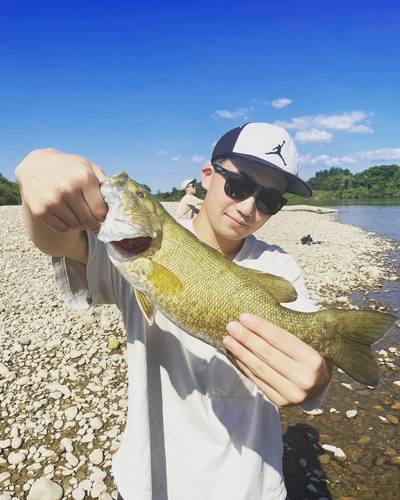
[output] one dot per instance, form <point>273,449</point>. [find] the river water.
<point>367,472</point>
<point>383,218</point>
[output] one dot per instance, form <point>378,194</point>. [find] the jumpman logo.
<point>277,151</point>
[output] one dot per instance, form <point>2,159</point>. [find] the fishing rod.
<point>313,151</point>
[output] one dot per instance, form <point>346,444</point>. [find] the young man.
<point>197,428</point>
<point>189,205</point>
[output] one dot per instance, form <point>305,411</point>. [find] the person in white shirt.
<point>197,428</point>
<point>190,205</point>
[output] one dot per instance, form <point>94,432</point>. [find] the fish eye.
<point>141,194</point>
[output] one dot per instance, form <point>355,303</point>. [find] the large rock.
<point>43,488</point>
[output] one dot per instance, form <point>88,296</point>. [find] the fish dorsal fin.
<point>146,306</point>
<point>278,287</point>
<point>164,280</point>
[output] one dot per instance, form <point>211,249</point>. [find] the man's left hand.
<point>288,371</point>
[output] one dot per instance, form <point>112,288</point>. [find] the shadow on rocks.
<point>304,477</point>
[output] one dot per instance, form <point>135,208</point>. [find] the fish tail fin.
<point>353,333</point>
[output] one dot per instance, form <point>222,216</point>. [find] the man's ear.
<point>207,173</point>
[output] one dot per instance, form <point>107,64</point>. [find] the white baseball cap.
<point>267,145</point>
<point>185,183</point>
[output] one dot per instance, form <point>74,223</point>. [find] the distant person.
<point>189,206</point>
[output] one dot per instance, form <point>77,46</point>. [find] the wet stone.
<point>395,460</point>
<point>379,461</point>
<point>324,459</point>
<point>367,461</point>
<point>357,469</point>
<point>352,452</point>
<point>364,440</point>
<point>392,419</point>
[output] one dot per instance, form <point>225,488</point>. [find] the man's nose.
<point>247,207</point>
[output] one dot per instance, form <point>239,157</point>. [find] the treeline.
<point>9,192</point>
<point>376,182</point>
<point>335,183</point>
<point>176,194</point>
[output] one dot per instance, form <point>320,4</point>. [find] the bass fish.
<point>153,253</point>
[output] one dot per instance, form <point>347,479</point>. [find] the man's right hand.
<point>61,196</point>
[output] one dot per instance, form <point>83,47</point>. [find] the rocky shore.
<point>63,385</point>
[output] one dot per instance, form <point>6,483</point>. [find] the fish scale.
<point>201,291</point>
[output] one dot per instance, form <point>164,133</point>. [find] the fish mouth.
<point>131,248</point>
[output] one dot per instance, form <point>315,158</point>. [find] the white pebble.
<point>330,448</point>
<point>15,458</point>
<point>86,484</point>
<point>23,380</point>
<point>351,413</point>
<point>78,494</point>
<point>71,412</point>
<point>14,432</point>
<point>96,457</point>
<point>4,476</point>
<point>16,443</point>
<point>98,488</point>
<point>71,459</point>
<point>6,443</point>
<point>96,423</point>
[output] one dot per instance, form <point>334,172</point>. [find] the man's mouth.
<point>237,222</point>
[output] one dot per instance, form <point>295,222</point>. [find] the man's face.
<point>191,188</point>
<point>234,219</point>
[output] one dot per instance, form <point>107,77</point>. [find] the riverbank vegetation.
<point>9,192</point>
<point>334,184</point>
<point>381,181</point>
<point>376,182</point>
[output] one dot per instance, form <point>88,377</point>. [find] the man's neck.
<point>204,231</point>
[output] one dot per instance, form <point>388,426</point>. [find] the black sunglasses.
<point>240,187</point>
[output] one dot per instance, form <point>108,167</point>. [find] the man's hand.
<point>61,198</point>
<point>62,190</point>
<point>288,371</point>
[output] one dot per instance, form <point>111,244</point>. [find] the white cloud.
<point>346,121</point>
<point>161,153</point>
<point>198,158</point>
<point>296,123</point>
<point>311,162</point>
<point>176,158</point>
<point>327,161</point>
<point>380,154</point>
<point>223,113</point>
<point>361,129</point>
<point>348,160</point>
<point>313,135</point>
<point>281,103</point>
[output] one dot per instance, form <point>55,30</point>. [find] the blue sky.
<point>149,88</point>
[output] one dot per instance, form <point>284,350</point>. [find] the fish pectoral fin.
<point>278,287</point>
<point>146,306</point>
<point>164,280</point>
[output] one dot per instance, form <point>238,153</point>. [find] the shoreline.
<point>63,389</point>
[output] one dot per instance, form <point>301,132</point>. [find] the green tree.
<point>9,192</point>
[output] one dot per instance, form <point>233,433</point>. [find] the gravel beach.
<point>63,385</point>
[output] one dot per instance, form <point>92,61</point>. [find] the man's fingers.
<point>277,337</point>
<point>266,354</point>
<point>92,196</point>
<point>276,387</point>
